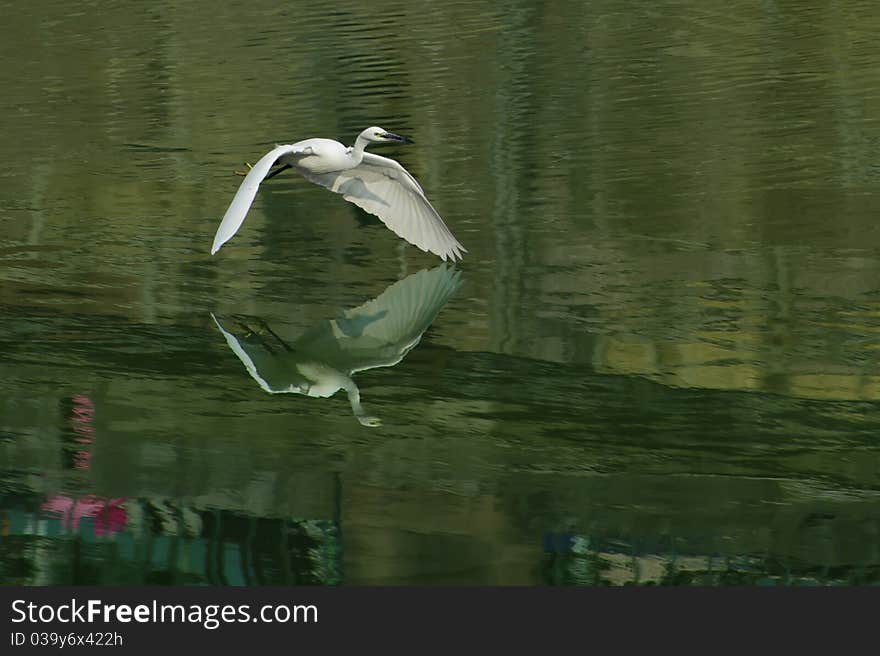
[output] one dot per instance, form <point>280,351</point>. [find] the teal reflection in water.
<point>321,362</point>
<point>168,543</point>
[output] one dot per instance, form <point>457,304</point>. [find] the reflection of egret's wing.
<point>273,373</point>
<point>382,331</point>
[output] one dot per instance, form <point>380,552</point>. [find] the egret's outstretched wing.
<point>241,203</point>
<point>383,187</point>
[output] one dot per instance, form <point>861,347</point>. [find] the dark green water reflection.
<point>660,365</point>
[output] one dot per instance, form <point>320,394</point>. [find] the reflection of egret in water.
<point>321,362</point>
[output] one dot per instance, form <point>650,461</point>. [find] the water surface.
<point>660,365</point>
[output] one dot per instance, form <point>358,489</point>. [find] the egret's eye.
<point>379,134</point>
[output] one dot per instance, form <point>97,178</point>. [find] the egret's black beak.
<point>397,137</point>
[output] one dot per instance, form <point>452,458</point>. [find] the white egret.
<point>323,360</point>
<point>376,184</point>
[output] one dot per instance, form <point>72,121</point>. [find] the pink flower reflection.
<point>109,514</point>
<point>81,417</point>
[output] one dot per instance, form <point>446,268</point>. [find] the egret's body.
<point>376,184</point>
<point>325,156</point>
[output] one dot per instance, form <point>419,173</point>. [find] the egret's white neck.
<point>354,399</point>
<point>357,151</point>
<point>354,396</point>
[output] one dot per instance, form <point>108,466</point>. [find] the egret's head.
<point>379,135</point>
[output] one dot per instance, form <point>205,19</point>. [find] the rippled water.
<point>656,364</point>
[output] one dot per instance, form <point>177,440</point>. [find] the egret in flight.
<point>376,184</point>
<point>323,360</point>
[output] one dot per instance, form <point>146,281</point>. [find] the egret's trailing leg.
<point>243,173</point>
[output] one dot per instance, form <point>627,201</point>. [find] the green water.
<point>656,364</point>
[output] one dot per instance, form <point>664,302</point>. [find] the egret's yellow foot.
<point>247,164</point>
